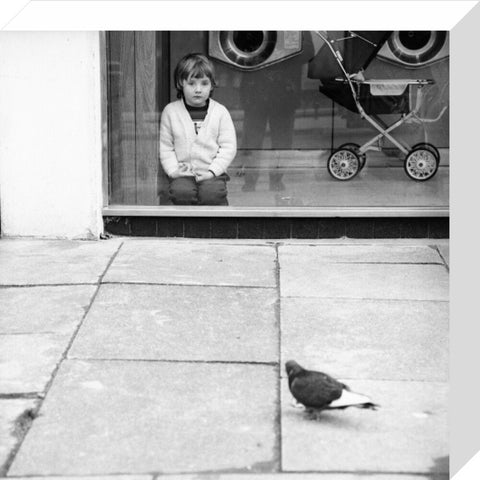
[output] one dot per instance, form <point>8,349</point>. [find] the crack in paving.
<point>21,396</point>
<point>160,360</point>
<point>39,285</point>
<point>8,334</point>
<point>381,263</point>
<point>445,264</point>
<point>376,299</point>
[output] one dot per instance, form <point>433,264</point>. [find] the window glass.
<point>292,110</point>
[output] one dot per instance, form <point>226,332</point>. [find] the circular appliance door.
<point>415,48</point>
<point>248,49</point>
<point>253,50</point>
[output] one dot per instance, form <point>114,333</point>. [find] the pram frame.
<point>384,131</point>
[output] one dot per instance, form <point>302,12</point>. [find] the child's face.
<point>196,91</point>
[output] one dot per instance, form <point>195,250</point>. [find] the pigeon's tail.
<point>353,399</point>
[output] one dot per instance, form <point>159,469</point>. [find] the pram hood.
<point>357,49</point>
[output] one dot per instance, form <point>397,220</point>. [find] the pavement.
<point>139,358</point>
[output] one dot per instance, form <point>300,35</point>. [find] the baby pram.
<point>342,80</point>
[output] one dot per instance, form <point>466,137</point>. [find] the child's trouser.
<point>187,191</point>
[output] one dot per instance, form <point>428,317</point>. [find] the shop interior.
<point>290,133</point>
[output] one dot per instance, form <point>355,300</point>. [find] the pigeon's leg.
<point>296,404</point>
<point>313,413</point>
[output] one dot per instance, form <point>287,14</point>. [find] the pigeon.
<point>319,391</point>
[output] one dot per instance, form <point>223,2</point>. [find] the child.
<point>197,137</point>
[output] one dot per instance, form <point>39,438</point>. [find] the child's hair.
<point>194,65</point>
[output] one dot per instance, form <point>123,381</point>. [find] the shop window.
<point>287,126</point>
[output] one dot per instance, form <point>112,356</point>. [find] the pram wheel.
<point>355,147</point>
<point>428,146</point>
<point>343,164</point>
<point>421,164</point>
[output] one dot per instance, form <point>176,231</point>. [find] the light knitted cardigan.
<point>212,149</point>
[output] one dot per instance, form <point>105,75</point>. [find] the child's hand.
<point>175,174</point>
<point>200,177</point>
<point>181,171</point>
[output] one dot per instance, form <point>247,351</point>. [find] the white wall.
<point>50,134</point>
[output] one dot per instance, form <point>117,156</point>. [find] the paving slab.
<point>375,281</point>
<point>357,253</point>
<point>407,434</point>
<point>367,339</point>
<point>113,417</point>
<point>11,410</point>
<point>56,309</point>
<point>28,361</point>
<point>197,263</point>
<point>33,262</point>
<point>180,323</point>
